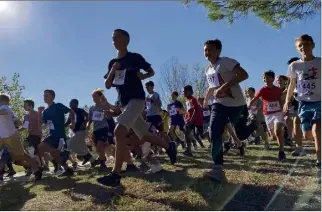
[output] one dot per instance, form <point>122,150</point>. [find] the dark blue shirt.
<point>174,114</point>
<point>131,86</point>
<point>54,117</point>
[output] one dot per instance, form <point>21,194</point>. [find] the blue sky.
<point>66,46</point>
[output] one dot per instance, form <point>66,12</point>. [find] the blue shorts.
<point>177,121</point>
<point>309,113</point>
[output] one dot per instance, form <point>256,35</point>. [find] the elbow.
<point>108,85</point>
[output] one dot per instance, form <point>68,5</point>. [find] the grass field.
<point>256,182</point>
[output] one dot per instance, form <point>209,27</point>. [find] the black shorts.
<point>55,142</point>
<point>156,121</point>
<point>34,141</point>
<point>101,135</point>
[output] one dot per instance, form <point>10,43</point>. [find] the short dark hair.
<point>293,59</point>
<point>5,97</point>
<point>188,88</point>
<point>125,33</point>
<point>175,93</point>
<point>215,42</point>
<point>51,92</point>
<point>305,37</point>
<point>74,101</point>
<point>150,83</point>
<point>251,89</point>
<point>269,73</point>
<point>29,102</point>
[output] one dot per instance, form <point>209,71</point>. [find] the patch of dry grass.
<point>256,182</point>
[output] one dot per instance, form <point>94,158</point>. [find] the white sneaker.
<point>146,147</point>
<point>154,168</point>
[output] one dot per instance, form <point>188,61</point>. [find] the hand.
<point>286,107</point>
<point>116,66</point>
<point>219,92</point>
<point>141,76</point>
<point>41,109</point>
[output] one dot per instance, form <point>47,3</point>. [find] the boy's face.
<point>268,80</point>
<point>96,98</point>
<point>149,88</point>
<point>250,93</point>
<point>186,93</point>
<point>211,52</point>
<point>119,40</point>
<point>304,47</point>
<point>26,107</point>
<point>280,82</point>
<point>174,97</point>
<point>48,98</point>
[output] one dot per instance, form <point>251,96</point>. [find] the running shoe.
<point>11,173</point>
<point>111,179</point>
<point>216,174</point>
<point>172,152</point>
<point>281,156</point>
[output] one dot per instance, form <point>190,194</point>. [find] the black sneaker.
<point>86,158</point>
<point>11,173</point>
<point>257,140</point>
<point>281,156</point>
<point>28,172</point>
<point>102,168</point>
<point>172,152</point>
<point>227,146</point>
<point>95,163</point>
<point>188,153</point>
<point>241,150</point>
<point>132,168</point>
<point>38,174</point>
<point>68,172</point>
<point>111,179</point>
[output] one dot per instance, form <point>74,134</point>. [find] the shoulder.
<point>110,64</point>
<point>228,60</point>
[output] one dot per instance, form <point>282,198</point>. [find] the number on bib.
<point>306,86</point>
<point>173,111</point>
<point>98,116</point>
<point>206,113</point>
<point>213,80</point>
<point>273,106</point>
<point>119,77</point>
<point>50,125</point>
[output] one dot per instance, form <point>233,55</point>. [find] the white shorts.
<point>273,118</point>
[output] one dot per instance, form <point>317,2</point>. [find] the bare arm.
<point>209,93</point>
<point>240,76</point>
<point>150,73</point>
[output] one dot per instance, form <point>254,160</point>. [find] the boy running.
<point>124,73</point>
<point>176,110</point>
<point>305,81</point>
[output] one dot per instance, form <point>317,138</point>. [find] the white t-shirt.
<point>308,79</point>
<point>221,73</point>
<point>7,125</point>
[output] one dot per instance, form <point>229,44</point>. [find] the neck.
<point>50,104</point>
<point>121,53</point>
<point>308,57</point>
<point>214,60</point>
<point>269,86</point>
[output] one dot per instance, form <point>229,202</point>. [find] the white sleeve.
<point>291,73</point>
<point>230,63</point>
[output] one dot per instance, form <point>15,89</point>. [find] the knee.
<point>278,129</point>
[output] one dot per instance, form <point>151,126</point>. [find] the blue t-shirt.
<point>174,114</point>
<point>54,118</point>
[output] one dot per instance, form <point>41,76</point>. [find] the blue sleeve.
<point>63,108</point>
<point>110,64</point>
<point>142,64</point>
<point>178,104</point>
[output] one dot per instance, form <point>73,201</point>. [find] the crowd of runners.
<point>138,127</point>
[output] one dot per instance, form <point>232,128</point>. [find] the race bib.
<point>206,113</point>
<point>188,105</point>
<point>213,80</point>
<point>306,87</point>
<point>26,125</point>
<point>173,111</point>
<point>119,77</point>
<point>273,106</point>
<point>148,105</point>
<point>61,144</point>
<point>98,116</point>
<point>50,125</point>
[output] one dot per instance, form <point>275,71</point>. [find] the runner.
<point>294,122</point>
<point>274,117</point>
<point>257,111</point>
<point>223,75</point>
<point>124,73</point>
<point>100,130</point>
<point>77,143</point>
<point>176,110</point>
<point>305,80</point>
<point>206,119</point>
<point>54,117</point>
<point>10,137</point>
<point>193,119</point>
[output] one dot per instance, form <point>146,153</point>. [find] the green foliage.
<point>273,12</point>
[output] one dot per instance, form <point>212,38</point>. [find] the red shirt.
<point>271,98</point>
<point>192,105</point>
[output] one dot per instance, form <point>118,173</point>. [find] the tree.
<point>174,77</point>
<point>14,90</point>
<point>199,81</point>
<point>273,12</point>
